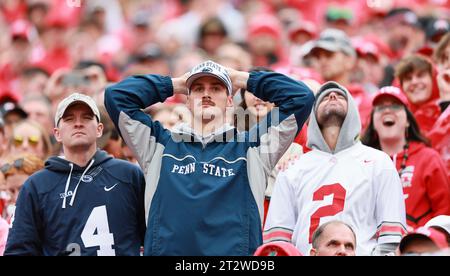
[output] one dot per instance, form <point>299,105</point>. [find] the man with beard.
<point>340,179</point>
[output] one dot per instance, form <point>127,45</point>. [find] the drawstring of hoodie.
<point>79,181</point>
<point>76,187</point>
<point>67,186</point>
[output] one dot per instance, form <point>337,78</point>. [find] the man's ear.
<point>312,252</point>
<point>57,134</point>
<point>230,102</point>
<point>99,130</point>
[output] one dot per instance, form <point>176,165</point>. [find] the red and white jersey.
<point>359,186</point>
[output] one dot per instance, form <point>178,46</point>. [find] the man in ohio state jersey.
<point>340,179</point>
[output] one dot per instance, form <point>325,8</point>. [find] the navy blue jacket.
<point>106,216</point>
<point>204,195</point>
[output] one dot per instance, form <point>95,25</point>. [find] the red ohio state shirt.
<point>425,184</point>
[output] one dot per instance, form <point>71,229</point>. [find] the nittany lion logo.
<point>207,70</point>
<point>87,178</point>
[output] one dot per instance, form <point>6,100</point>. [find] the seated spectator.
<point>334,238</point>
<point>28,137</point>
<point>423,240</point>
<point>394,130</point>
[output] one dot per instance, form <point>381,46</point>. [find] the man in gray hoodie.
<point>340,179</point>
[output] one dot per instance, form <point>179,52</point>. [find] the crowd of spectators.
<point>52,48</point>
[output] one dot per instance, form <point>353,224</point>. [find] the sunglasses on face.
<point>33,140</point>
<point>18,163</point>
<point>393,107</point>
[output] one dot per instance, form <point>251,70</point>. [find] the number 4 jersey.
<point>358,185</point>
<point>68,210</point>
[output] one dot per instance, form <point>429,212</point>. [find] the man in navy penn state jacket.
<point>82,203</point>
<point>205,181</point>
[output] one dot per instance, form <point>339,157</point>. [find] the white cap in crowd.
<point>72,99</point>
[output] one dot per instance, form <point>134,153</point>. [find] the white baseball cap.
<point>72,99</point>
<point>210,68</point>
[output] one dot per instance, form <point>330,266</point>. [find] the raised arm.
<point>125,102</point>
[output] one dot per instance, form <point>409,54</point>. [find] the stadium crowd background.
<point>52,48</point>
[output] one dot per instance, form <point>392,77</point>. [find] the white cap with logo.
<point>210,68</point>
<point>72,99</point>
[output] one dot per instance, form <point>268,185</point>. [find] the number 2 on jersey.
<point>96,232</point>
<point>328,210</point>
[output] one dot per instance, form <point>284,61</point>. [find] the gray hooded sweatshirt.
<point>349,134</point>
<point>354,183</point>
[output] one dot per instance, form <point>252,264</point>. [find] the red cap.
<point>393,92</point>
<point>63,14</point>
<point>303,26</point>
<point>434,235</point>
<point>278,248</point>
<point>20,29</point>
<point>265,24</point>
<point>364,47</point>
